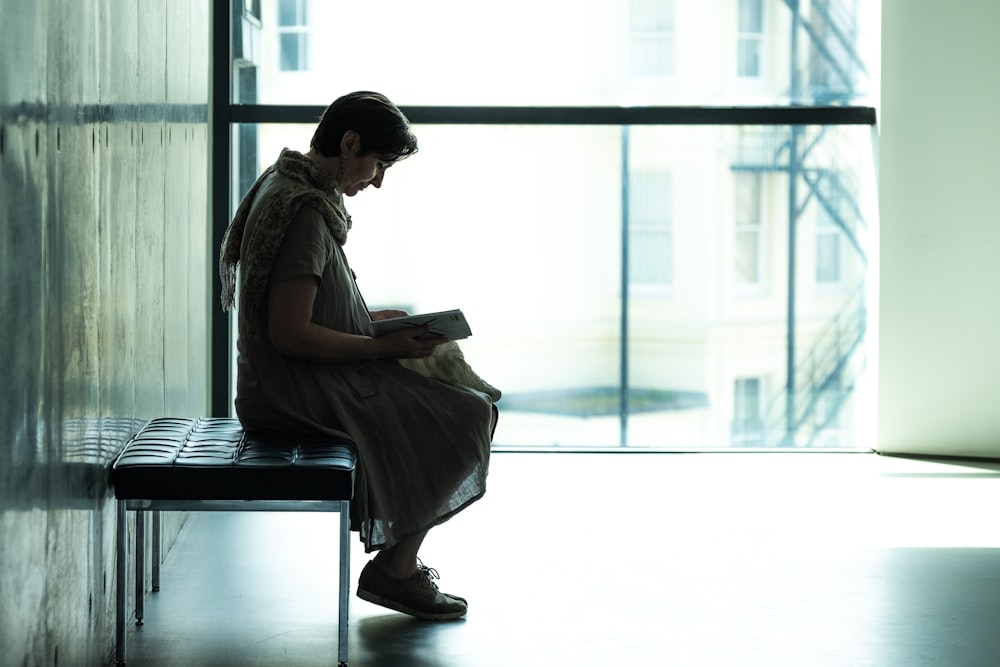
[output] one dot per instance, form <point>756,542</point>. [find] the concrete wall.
<point>104,288</point>
<point>939,346</point>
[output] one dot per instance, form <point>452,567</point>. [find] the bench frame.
<point>141,506</point>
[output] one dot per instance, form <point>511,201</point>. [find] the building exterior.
<point>711,279</point>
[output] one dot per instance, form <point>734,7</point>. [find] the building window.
<point>651,38</point>
<point>749,229</point>
<point>651,242</point>
<point>748,420</point>
<point>293,35</point>
<point>750,39</point>
<point>829,250</point>
<point>252,8</point>
<point>828,417</point>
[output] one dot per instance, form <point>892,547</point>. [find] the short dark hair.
<point>383,128</point>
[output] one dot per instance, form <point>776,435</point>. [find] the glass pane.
<point>251,8</point>
<point>748,423</point>
<point>747,257</point>
<point>751,16</point>
<point>651,15</point>
<point>589,53</point>
<point>288,14</point>
<point>650,257</point>
<point>535,259</point>
<point>749,57</point>
<point>748,194</point>
<point>650,213</point>
<point>828,258</point>
<point>291,56</point>
<point>652,55</point>
<point>650,198</point>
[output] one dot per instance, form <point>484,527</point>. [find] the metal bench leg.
<point>345,581</point>
<point>156,551</point>
<point>140,564</point>
<point>121,575</point>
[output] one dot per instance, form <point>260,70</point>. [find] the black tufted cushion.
<point>214,459</point>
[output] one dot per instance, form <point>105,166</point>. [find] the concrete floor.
<point>631,559</point>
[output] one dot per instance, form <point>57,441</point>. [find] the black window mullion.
<point>619,116</point>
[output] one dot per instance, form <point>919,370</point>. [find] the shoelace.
<point>429,574</point>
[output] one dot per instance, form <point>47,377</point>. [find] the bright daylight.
<point>647,286</point>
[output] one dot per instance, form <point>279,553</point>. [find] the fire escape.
<point>826,69</point>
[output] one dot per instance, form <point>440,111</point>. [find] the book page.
<point>450,324</point>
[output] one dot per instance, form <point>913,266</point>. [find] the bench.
<point>212,464</point>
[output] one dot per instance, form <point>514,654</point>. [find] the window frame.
<point>224,116</point>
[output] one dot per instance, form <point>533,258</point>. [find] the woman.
<point>308,362</point>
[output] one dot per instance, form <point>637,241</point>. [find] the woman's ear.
<point>350,143</point>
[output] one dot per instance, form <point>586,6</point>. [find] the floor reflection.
<point>826,560</point>
<point>393,639</point>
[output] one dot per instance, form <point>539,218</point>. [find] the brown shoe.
<point>417,595</point>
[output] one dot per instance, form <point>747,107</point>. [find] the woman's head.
<point>382,128</point>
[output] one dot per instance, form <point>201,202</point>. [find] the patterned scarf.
<point>311,186</point>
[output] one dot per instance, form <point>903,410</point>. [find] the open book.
<point>450,324</point>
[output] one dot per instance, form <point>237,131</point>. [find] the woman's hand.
<point>410,343</point>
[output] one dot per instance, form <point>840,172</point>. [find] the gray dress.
<point>423,446</point>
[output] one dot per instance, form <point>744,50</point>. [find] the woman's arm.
<point>293,333</point>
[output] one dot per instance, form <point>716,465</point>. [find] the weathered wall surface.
<point>104,290</point>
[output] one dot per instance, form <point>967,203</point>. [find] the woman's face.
<point>360,171</point>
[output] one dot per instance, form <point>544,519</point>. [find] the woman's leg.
<point>400,560</point>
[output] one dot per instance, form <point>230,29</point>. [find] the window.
<point>749,229</point>
<point>748,423</point>
<point>293,36</point>
<point>651,38</point>
<point>252,8</point>
<point>829,414</point>
<point>750,39</point>
<point>829,249</point>
<point>647,215</point>
<point>651,229</point>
